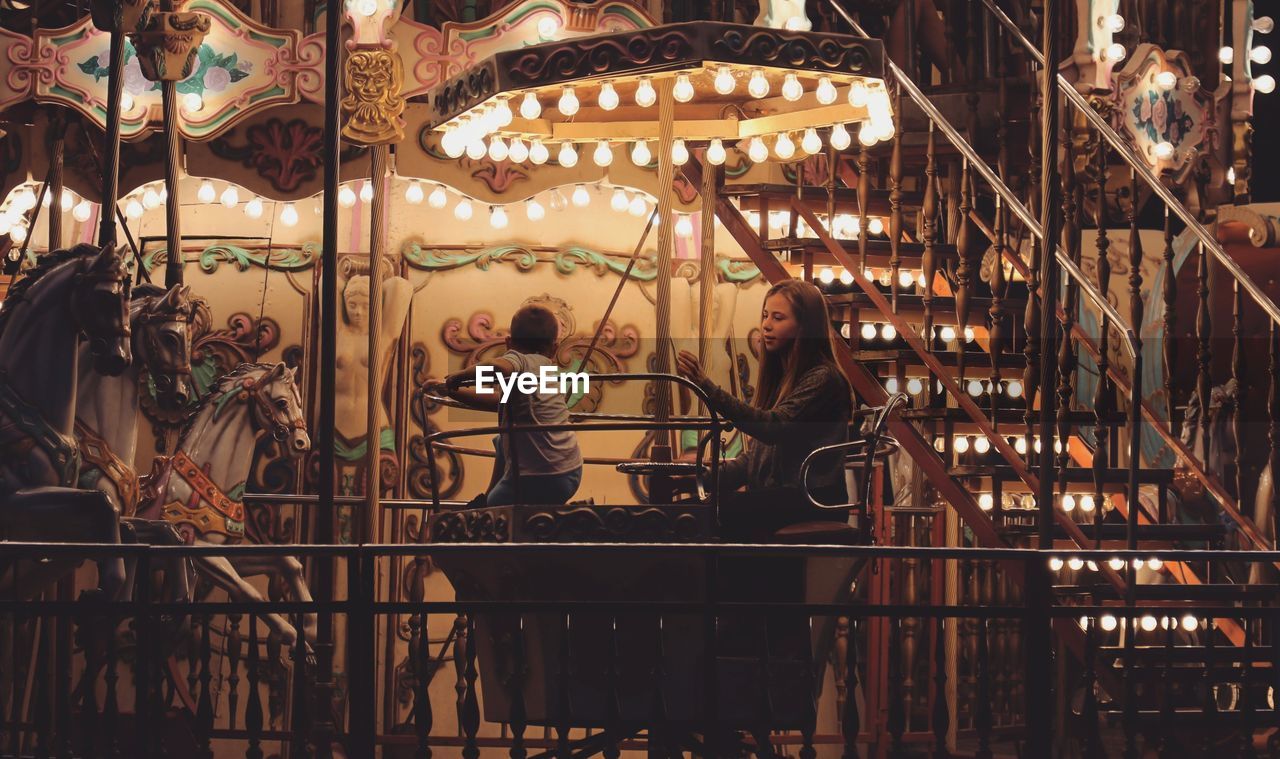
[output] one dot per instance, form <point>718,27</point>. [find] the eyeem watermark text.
<point>549,379</point>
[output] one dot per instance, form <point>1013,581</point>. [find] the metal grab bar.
<point>1140,168</point>
<point>1132,344</point>
<point>871,442</point>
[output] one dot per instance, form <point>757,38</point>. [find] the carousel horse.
<point>69,293</point>
<point>196,489</point>
<point>107,413</point>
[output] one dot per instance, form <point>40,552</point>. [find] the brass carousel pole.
<point>707,271</point>
<point>373,435</point>
<point>659,487</point>
<point>57,156</point>
<point>166,52</point>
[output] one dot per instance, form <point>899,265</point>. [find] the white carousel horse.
<point>82,290</point>
<point>784,14</point>
<point>196,489</point>
<point>107,412</point>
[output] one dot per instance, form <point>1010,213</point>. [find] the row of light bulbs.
<point>982,444</point>
<point>906,277</point>
<point>846,227</point>
<point>1027,502</point>
<point>1147,622</point>
<point>14,222</point>
<point>1075,563</point>
<point>1167,80</point>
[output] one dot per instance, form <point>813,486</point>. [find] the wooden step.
<point>1071,475</point>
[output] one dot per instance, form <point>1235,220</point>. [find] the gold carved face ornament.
<point>373,103</point>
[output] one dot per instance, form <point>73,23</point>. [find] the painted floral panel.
<point>214,71</point>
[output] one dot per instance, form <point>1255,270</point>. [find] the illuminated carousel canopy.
<point>770,91</point>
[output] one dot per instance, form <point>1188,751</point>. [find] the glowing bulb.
<point>1114,53</point>
<point>539,154</point>
<point>974,388</point>
<point>608,99</point>
<point>253,209</point>
<point>811,143</point>
<point>530,108</point>
<point>463,211</point>
<point>947,334</point>
<point>497,217</point>
<point>126,102</point>
<point>784,148</point>
<point>645,94</point>
<point>82,211</point>
<point>150,199</point>
<point>876,226</point>
<point>1163,150</point>
<point>1190,623</point>
<point>567,157</point>
<point>888,332</point>
<point>1265,84</point>
<point>683,89</point>
<point>547,27</point>
<point>969,334</point>
<point>1260,55</point>
<point>1154,564</point>
<point>1068,502</point>
<point>724,81</point>
<point>568,104</point>
<point>438,197</point>
<point>581,198</point>
<point>859,95</point>
<point>18,233</point>
<point>640,155</point>
<point>476,149</point>
<point>1076,563</point>
<point>1109,623</point>
<point>517,151</point>
<point>792,90</point>
<point>366,7</point>
<point>1226,55</point>
<point>1149,623</point>
<point>891,385</point>
<point>534,210</point>
<point>346,196</point>
<point>716,153</point>
<point>915,386</point>
<point>826,92</point>
<point>982,444</point>
<point>846,277</point>
<point>867,134</point>
<point>757,151</point>
<point>1166,80</point>
<point>497,149</point>
<point>603,155</point>
<point>1056,565</point>
<point>452,144</point>
<point>366,191</point>
<point>1087,504</point>
<point>413,193</point>
<point>1263,24</point>
<point>684,226</point>
<point>986,502</point>
<point>1231,175</point>
<point>826,276</point>
<point>618,201</point>
<point>192,102</point>
<point>1020,445</point>
<point>962,445</point>
<point>758,86</point>
<point>230,197</point>
<point>1113,23</point>
<point>679,153</point>
<point>905,279</point>
<point>638,207</point>
<point>840,138</point>
<point>868,332</point>
<point>206,193</point>
<point>502,113</point>
<point>1014,389</point>
<point>289,215</point>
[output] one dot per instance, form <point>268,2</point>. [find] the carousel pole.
<point>57,158</point>
<point>707,271</point>
<point>377,242</point>
<point>166,53</point>
<point>659,487</point>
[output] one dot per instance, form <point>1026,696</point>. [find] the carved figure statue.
<point>784,14</point>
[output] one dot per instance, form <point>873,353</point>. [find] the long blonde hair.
<point>780,371</point>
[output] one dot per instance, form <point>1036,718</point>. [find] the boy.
<point>550,462</point>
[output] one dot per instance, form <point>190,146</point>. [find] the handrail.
<point>1132,344</point>
<point>1140,168</point>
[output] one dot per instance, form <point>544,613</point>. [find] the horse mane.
<point>220,386</point>
<point>44,265</point>
<point>142,294</point>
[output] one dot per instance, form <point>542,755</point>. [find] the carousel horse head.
<point>272,391</point>
<point>100,305</point>
<point>163,341</point>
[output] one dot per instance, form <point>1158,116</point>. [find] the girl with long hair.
<point>802,402</point>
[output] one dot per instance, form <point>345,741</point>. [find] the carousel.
<point>252,250</point>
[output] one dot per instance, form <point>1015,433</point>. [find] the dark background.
<point>1266,114</point>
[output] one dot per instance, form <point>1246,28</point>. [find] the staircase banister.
<point>1132,344</point>
<point>1140,167</point>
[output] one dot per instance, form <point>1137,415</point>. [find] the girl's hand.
<point>688,366</point>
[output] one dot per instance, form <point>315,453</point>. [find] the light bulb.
<point>888,332</point>
<point>868,332</point>
<point>497,217</point>
<point>867,134</point>
<point>206,193</point>
<point>1154,564</point>
<point>811,143</point>
<point>640,154</point>
<point>581,198</point>
<point>757,151</point>
<point>1056,565</point>
<point>346,196</point>
<point>962,444</point>
<point>18,233</point>
<point>1087,503</point>
<point>645,94</point>
<point>462,211</point>
<point>497,148</point>
<point>438,197</point>
<point>679,153</point>
<point>982,444</point>
<point>1068,502</point>
<point>1014,389</point>
<point>969,334</point>
<point>716,153</point>
<point>826,92</point>
<point>451,143</point>
<point>876,226</point>
<point>1163,150</point>
<point>784,148</point>
<point>413,192</point>
<point>1075,563</point>
<point>915,386</point>
<point>1114,53</point>
<point>683,89</point>
<point>567,157</point>
<point>476,149</point>
<point>638,207</point>
<point>366,7</point>
<point>608,99</point>
<point>846,277</point>
<point>538,153</point>
<point>974,388</point>
<point>503,115</point>
<point>517,151</point>
<point>619,201</point>
<point>289,215</point>
<point>1263,24</point>
<point>891,385</point>
<point>1166,80</point>
<point>758,86</point>
<point>1260,55</point>
<point>530,108</point>
<point>1109,623</point>
<point>1231,175</point>
<point>725,83</point>
<point>366,191</point>
<point>840,138</point>
<point>948,334</point>
<point>1149,623</point>
<point>603,155</point>
<point>826,276</point>
<point>192,102</point>
<point>567,104</point>
<point>547,27</point>
<point>1265,84</point>
<point>82,211</point>
<point>1113,23</point>
<point>859,95</point>
<point>230,197</point>
<point>791,88</point>
<point>150,199</point>
<point>1190,623</point>
<point>253,209</point>
<point>1226,55</point>
<point>126,102</point>
<point>534,210</point>
<point>684,225</point>
<point>884,129</point>
<point>133,209</point>
<point>986,502</point>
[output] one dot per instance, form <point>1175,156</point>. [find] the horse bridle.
<point>265,413</point>
<point>94,279</point>
<point>153,354</point>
